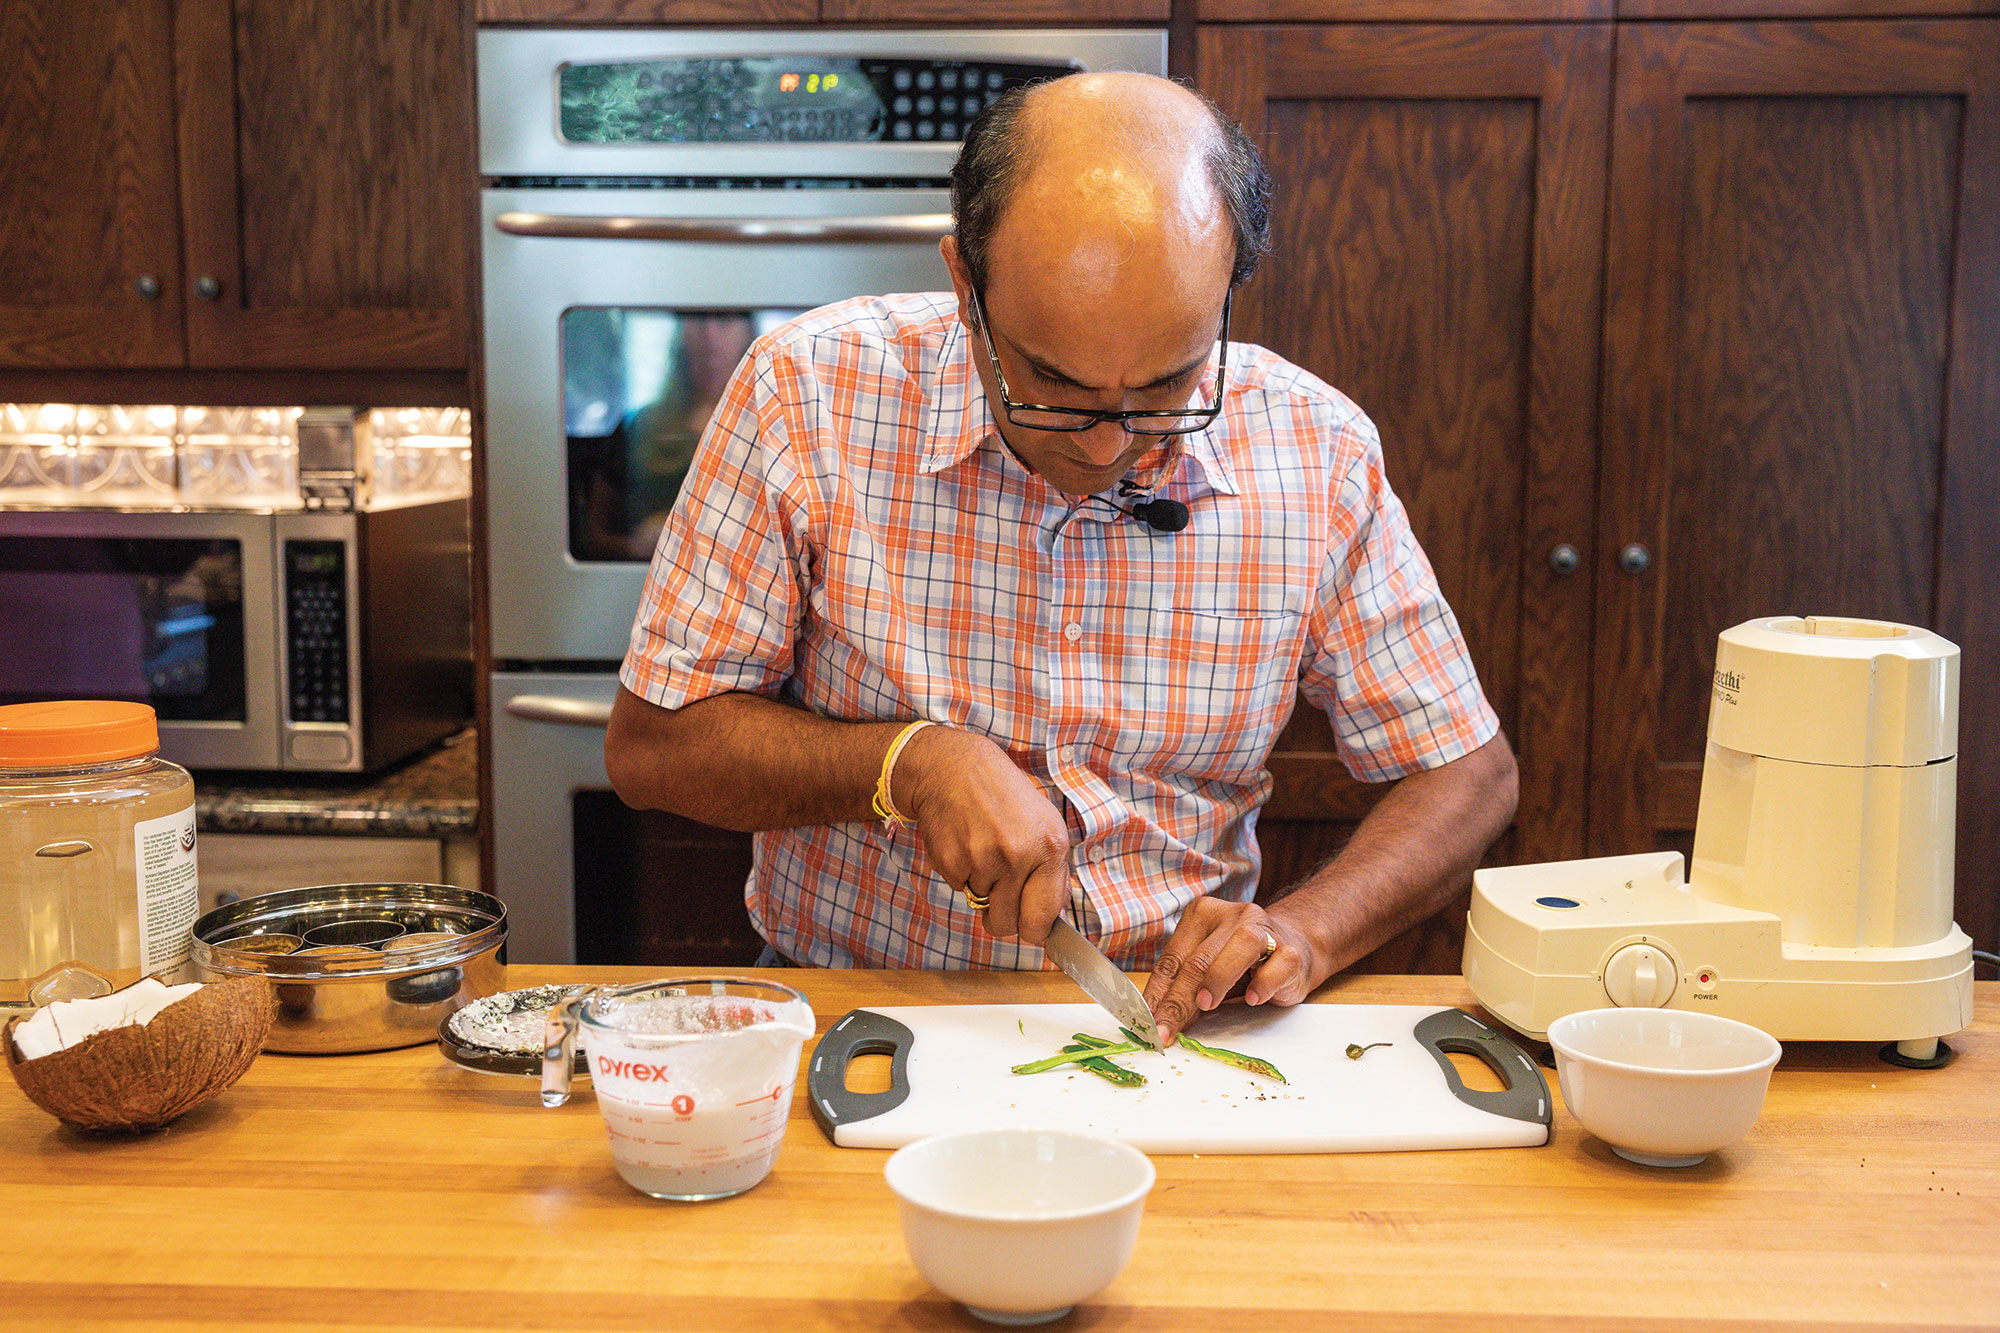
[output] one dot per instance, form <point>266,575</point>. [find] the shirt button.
<point>1098,851</point>
<point>1072,631</point>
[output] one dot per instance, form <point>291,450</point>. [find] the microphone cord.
<point>1162,516</point>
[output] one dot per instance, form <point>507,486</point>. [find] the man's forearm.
<point>1413,851</point>
<point>741,761</point>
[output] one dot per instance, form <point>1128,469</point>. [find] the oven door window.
<point>639,386</point>
<point>151,620</point>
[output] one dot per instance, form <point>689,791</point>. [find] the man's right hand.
<point>987,828</point>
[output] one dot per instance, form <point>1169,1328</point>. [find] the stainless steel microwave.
<point>308,640</point>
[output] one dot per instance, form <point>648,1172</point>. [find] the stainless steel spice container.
<point>362,997</point>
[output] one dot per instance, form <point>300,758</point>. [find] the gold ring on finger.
<point>979,902</point>
<point>1270,947</point>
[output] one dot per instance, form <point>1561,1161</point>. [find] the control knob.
<point>1640,976</point>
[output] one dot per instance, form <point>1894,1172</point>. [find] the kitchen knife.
<point>1100,979</point>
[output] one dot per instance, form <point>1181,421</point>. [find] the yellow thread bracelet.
<point>884,806</point>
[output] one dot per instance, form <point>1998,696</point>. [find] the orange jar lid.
<point>75,731</point>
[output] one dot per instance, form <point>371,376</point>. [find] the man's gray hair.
<point>998,150</point>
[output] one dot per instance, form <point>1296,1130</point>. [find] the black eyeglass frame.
<point>1199,418</point>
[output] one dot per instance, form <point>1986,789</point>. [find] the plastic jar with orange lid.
<point>97,857</point>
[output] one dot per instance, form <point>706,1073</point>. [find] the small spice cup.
<point>693,1077</point>
<point>370,932</point>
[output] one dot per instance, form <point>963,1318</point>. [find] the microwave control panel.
<point>316,665</point>
<point>785,99</point>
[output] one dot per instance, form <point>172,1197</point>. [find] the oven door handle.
<point>892,227</point>
<point>565,712</point>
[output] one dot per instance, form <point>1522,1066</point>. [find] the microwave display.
<point>151,620</point>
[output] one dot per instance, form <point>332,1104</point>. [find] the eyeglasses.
<point>1036,416</point>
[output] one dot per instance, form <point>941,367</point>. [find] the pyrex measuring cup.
<point>693,1077</point>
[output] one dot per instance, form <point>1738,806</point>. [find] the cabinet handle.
<point>1635,559</point>
<point>208,287</point>
<point>1565,559</point>
<point>147,286</point>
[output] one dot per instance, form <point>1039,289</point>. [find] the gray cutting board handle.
<point>861,1032</point>
<point>1526,1096</point>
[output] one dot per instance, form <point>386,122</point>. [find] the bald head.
<point>1108,172</point>
<point>1116,198</point>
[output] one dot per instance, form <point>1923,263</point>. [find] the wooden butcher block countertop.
<point>395,1190</point>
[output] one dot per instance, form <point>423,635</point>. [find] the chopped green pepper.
<point>1106,1069</point>
<point>1075,1057</point>
<point>1252,1063</point>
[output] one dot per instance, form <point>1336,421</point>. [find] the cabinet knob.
<point>1635,559</point>
<point>147,286</point>
<point>208,287</point>
<point>1565,559</point>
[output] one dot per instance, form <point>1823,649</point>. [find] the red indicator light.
<point>788,83</point>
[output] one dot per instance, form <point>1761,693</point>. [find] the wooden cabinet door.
<point>89,230</point>
<point>1437,235</point>
<point>1802,383</point>
<point>326,173</point>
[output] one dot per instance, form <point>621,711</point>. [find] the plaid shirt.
<point>855,539</point>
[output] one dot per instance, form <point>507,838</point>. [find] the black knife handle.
<point>859,1032</point>
<point>1526,1096</point>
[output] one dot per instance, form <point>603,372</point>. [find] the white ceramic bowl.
<point>1663,1087</point>
<point>1020,1224</point>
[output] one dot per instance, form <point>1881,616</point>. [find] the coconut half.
<point>139,1076</point>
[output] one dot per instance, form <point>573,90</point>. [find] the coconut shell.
<point>141,1076</point>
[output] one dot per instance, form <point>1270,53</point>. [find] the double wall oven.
<point>652,202</point>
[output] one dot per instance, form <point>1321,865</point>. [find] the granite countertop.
<point>434,795</point>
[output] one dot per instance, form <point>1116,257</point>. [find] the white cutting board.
<point>954,1062</point>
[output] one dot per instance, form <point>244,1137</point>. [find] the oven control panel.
<point>785,99</point>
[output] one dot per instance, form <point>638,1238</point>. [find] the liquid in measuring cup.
<point>695,1090</point>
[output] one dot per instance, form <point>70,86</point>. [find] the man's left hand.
<point>1219,943</point>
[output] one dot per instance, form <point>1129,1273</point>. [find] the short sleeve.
<point>721,603</point>
<point>1385,659</point>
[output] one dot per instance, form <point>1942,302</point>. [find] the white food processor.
<point>1820,903</point>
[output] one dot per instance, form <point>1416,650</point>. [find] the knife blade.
<point>1085,964</point>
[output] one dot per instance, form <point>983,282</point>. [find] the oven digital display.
<point>784,99</point>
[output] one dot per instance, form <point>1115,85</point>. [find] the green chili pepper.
<point>1251,1063</point>
<point>1147,1042</point>
<point>1075,1057</point>
<point>1116,1073</point>
<point>1106,1069</point>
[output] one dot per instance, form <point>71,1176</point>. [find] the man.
<point>914,627</point>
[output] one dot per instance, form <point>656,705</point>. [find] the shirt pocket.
<point>1222,672</point>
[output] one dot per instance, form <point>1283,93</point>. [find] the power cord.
<point>1991,960</point>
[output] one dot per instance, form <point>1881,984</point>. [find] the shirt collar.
<point>961,419</point>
